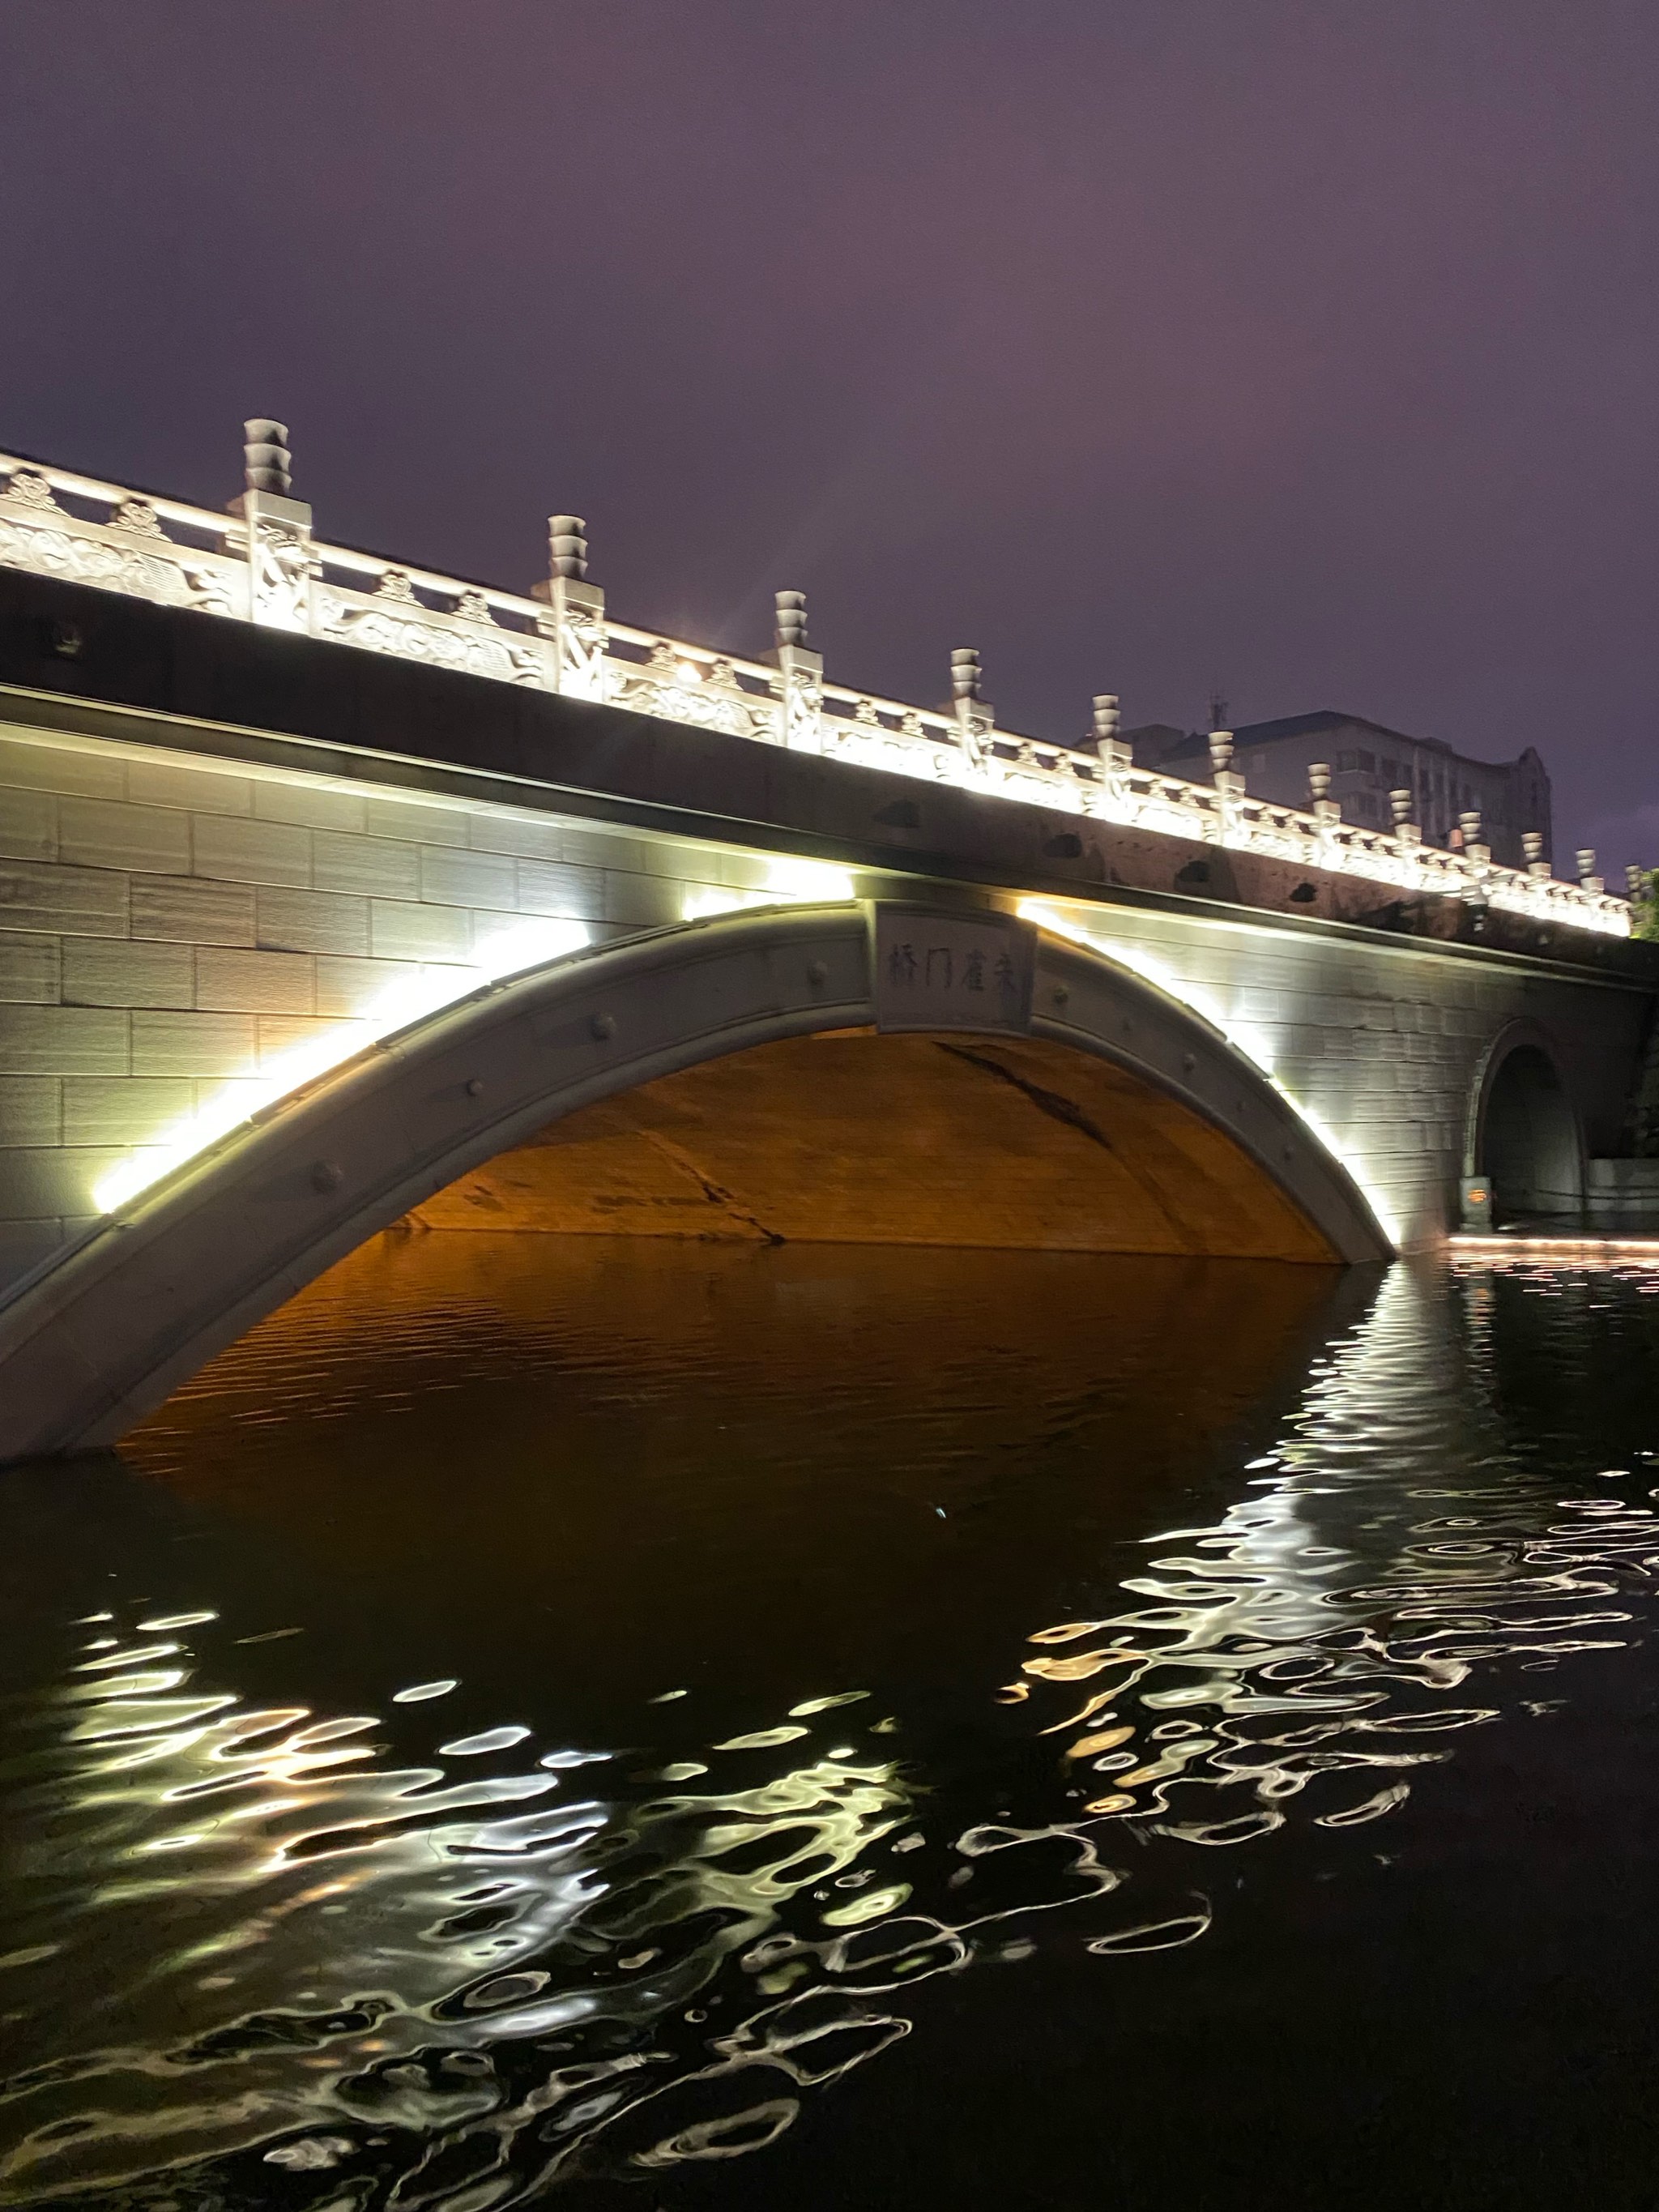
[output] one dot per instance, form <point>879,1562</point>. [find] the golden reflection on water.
<point>659,1812</point>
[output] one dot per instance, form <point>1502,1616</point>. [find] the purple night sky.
<point>1305,350</point>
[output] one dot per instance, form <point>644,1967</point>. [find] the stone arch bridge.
<point>300,941</point>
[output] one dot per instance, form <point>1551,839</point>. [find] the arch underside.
<point>850,1137</point>
<point>711,1064</point>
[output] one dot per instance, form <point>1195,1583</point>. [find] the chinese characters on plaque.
<point>952,971</point>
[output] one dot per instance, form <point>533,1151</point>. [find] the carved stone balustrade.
<point>261,563</point>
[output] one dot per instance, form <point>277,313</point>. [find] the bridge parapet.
<point>263,564</point>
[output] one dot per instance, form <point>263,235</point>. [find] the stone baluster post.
<point>1327,812</point>
<point>1320,804</point>
<point>1407,833</point>
<point>974,719</point>
<point>1229,781</point>
<point>574,622</point>
<point>1532,844</point>
<point>1476,851</point>
<point>1586,876</point>
<point>267,464</point>
<point>1114,753</point>
<point>1115,757</point>
<point>800,676</point>
<point>275,537</point>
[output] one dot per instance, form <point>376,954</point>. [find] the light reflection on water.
<point>609,1924</point>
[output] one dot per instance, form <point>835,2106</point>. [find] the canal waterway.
<point>616,1723</point>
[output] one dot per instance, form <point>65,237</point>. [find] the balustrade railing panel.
<point>260,562</point>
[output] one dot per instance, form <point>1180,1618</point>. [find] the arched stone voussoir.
<point>99,1339</point>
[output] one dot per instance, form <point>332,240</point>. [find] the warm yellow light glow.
<point>789,881</point>
<point>404,1000</point>
<point>1584,1244</point>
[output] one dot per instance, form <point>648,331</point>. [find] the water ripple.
<point>458,1973</point>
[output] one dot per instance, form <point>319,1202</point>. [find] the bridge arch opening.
<point>1099,1113</point>
<point>853,1137</point>
<point>1528,1139</point>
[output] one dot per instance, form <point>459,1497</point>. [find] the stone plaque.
<point>953,971</point>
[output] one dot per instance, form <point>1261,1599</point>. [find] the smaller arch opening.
<point>1529,1147</point>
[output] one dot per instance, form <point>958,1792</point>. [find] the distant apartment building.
<point>1367,762</point>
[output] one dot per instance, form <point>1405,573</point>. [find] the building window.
<point>1368,761</point>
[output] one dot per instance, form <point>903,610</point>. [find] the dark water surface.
<point>638,1725</point>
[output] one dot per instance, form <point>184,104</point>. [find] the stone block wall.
<point>170,928</point>
<point>172,924</point>
<point>1383,1045</point>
